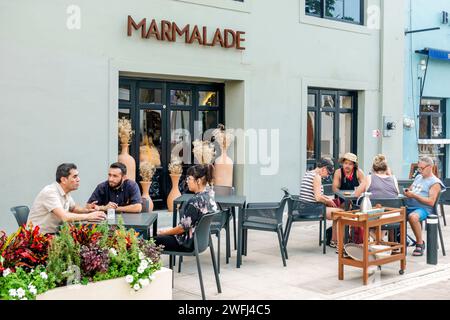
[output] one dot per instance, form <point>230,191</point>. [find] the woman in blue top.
<point>180,238</point>
<point>422,196</point>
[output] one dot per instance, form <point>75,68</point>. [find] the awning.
<point>435,53</point>
<point>433,141</point>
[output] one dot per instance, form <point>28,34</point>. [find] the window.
<point>432,126</point>
<point>331,124</point>
<point>351,11</point>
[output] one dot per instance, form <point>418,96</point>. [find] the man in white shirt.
<point>54,204</point>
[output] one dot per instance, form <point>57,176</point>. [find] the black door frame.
<point>443,115</point>
<point>337,110</point>
<point>134,106</point>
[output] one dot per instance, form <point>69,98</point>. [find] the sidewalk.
<point>309,273</point>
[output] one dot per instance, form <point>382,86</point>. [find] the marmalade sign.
<point>170,31</point>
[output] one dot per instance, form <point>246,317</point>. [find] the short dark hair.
<point>63,170</point>
<point>119,165</point>
<point>326,162</point>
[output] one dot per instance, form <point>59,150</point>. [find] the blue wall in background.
<point>423,14</point>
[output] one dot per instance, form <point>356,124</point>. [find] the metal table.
<point>225,201</point>
<point>140,222</point>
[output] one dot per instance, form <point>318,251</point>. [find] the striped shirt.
<point>307,187</point>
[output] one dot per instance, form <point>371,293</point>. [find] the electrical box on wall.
<point>388,126</point>
<point>444,17</point>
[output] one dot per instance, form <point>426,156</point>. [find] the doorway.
<point>166,117</point>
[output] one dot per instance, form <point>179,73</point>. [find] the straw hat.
<point>349,156</point>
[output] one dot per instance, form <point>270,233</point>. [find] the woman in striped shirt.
<point>311,190</point>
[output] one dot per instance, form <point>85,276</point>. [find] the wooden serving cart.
<point>372,221</point>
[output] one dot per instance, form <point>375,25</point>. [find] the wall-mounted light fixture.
<point>408,123</point>
<point>388,126</point>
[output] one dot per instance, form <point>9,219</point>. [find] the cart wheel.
<point>402,272</point>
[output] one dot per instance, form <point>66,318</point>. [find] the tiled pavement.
<point>309,274</point>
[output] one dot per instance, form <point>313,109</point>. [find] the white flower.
<point>13,292</point>
<point>144,264</point>
<point>136,287</point>
<point>129,278</point>
<point>113,251</point>
<point>25,298</point>
<point>150,262</point>
<point>151,277</point>
<point>44,275</point>
<point>144,282</point>
<point>20,292</point>
<point>6,272</point>
<point>32,270</point>
<point>140,270</point>
<point>141,255</point>
<point>32,289</point>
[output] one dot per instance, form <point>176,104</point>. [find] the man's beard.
<point>116,185</point>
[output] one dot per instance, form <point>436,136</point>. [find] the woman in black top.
<point>181,238</point>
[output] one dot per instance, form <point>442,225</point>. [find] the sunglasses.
<point>420,169</point>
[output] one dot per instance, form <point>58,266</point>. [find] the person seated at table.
<point>181,238</point>
<point>311,190</point>
<point>348,177</point>
<point>422,196</point>
<point>117,192</point>
<point>381,183</point>
<point>54,204</point>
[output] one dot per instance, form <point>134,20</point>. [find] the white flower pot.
<point>160,288</point>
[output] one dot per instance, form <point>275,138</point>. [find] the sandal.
<point>333,244</point>
<point>344,253</point>
<point>420,248</point>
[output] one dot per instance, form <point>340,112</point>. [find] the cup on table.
<point>111,214</point>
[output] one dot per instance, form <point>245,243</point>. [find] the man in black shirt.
<point>117,192</point>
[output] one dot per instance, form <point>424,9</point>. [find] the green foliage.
<point>63,255</point>
<point>26,285</point>
<point>123,255</point>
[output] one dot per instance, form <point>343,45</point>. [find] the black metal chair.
<point>444,200</point>
<point>266,216</point>
<point>219,222</point>
<point>21,214</point>
<point>328,189</point>
<point>228,191</point>
<point>302,211</point>
<point>222,221</point>
<point>390,203</point>
<point>202,240</point>
<point>436,212</point>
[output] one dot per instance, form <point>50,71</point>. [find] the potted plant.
<point>223,173</point>
<point>125,133</point>
<point>147,170</point>
<point>81,262</point>
<point>203,151</point>
<point>175,169</point>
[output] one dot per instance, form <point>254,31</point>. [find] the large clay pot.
<point>146,195</point>
<point>174,193</point>
<point>223,173</point>
<point>128,161</point>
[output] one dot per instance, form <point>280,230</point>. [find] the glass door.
<point>166,117</point>
<point>331,125</point>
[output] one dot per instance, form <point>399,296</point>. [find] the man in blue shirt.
<point>117,192</point>
<point>422,196</point>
